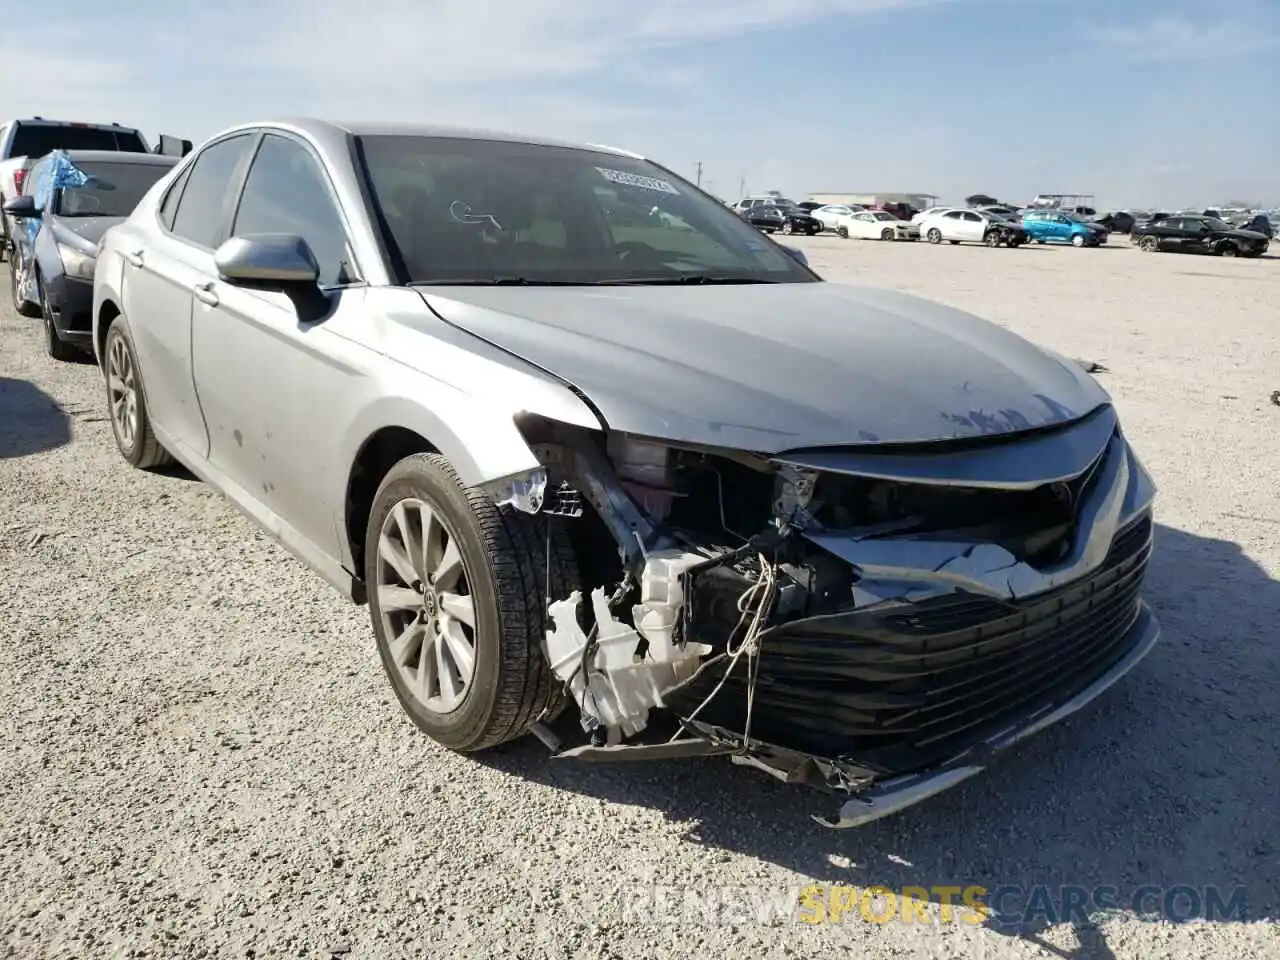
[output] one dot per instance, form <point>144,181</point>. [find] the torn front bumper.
<point>948,652</point>
<point>891,796</point>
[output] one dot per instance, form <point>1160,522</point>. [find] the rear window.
<point>37,139</point>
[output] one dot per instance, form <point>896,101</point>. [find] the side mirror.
<point>267,260</point>
<point>23,205</point>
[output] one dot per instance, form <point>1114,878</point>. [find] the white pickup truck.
<point>23,142</point>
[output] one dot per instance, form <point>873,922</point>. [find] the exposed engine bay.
<point>835,618</point>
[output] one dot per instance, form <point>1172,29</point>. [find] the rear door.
<point>952,225</point>
<point>161,276</point>
<point>273,381</point>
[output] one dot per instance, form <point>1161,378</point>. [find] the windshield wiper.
<point>692,278</point>
<point>497,282</point>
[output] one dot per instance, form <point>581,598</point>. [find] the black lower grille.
<point>907,687</point>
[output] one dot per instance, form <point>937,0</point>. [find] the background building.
<point>920,201</point>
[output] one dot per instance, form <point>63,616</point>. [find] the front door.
<point>272,379</point>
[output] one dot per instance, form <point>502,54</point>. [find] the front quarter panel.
<point>108,276</point>
<point>456,391</point>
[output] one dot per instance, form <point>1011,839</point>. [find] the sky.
<point>1138,102</point>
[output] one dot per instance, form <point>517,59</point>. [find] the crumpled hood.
<point>774,367</point>
<point>89,230</point>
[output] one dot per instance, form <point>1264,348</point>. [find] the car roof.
<point>122,156</point>
<point>331,133</point>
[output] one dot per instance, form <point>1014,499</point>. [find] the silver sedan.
<point>667,479</point>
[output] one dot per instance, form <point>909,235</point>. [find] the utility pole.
<point>699,180</point>
<point>742,185</point>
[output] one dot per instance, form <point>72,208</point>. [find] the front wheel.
<point>842,232</point>
<point>1228,250</point>
<point>992,239</point>
<point>127,403</point>
<point>934,235</point>
<point>886,234</point>
<point>787,229</point>
<point>1077,240</point>
<point>457,594</point>
<point>54,345</point>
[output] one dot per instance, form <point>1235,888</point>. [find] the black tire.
<point>954,243</point>
<point>144,451</point>
<point>1228,250</point>
<point>887,234</point>
<point>25,308</point>
<point>934,235</point>
<point>992,239</point>
<point>1148,244</point>
<point>842,232</point>
<point>54,346</point>
<point>787,229</point>
<point>505,554</point>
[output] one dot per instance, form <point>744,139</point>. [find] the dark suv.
<point>23,142</point>
<point>1192,234</point>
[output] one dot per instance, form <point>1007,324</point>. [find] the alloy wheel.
<point>122,391</point>
<point>425,600</point>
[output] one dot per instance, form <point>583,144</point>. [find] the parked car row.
<point>669,515</point>
<point>996,224</point>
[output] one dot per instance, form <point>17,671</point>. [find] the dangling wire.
<point>753,607</point>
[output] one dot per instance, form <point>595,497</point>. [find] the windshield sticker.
<point>635,180</point>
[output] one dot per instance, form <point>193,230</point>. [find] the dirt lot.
<point>204,759</point>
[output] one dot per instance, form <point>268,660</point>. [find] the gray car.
<point>668,483</point>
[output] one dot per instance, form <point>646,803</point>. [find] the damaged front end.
<point>871,621</point>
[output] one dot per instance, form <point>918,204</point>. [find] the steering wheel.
<point>85,202</point>
<point>626,249</point>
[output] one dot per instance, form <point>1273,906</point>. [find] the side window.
<point>954,215</point>
<point>286,192</point>
<point>972,217</point>
<point>169,206</point>
<point>203,201</point>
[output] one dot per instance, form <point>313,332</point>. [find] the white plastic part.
<point>620,687</point>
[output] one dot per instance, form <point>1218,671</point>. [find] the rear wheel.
<point>1148,244</point>
<point>18,285</point>
<point>127,403</point>
<point>992,239</point>
<point>457,594</point>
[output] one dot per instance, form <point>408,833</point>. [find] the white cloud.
<point>441,44</point>
<point>1169,39</point>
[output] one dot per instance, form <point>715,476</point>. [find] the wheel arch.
<point>395,427</point>
<point>106,315</point>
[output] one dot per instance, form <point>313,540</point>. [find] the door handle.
<point>134,258</point>
<point>204,293</point>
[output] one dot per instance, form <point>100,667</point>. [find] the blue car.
<point>70,199</point>
<point>1054,226</point>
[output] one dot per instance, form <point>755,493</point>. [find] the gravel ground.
<point>205,759</point>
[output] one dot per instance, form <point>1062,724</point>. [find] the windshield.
<point>1216,224</point>
<point>37,139</point>
<point>113,189</point>
<point>461,210</point>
